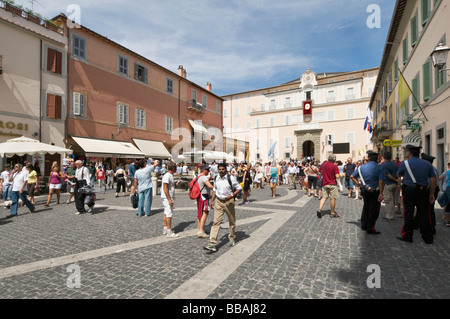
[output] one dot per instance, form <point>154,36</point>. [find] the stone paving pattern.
<point>307,258</point>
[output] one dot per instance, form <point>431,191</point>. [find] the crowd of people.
<point>377,180</point>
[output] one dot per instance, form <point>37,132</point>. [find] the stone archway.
<point>311,136</point>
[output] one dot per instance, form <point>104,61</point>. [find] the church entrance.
<point>308,148</point>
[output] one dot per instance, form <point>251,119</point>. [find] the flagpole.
<point>412,93</point>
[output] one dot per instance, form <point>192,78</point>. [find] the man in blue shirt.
<point>430,159</point>
<point>131,172</point>
<point>372,179</point>
<point>391,192</point>
<point>419,185</point>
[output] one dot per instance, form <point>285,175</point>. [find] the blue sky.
<point>239,45</point>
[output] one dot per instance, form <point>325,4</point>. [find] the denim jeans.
<point>15,201</point>
<point>6,194</point>
<point>145,201</point>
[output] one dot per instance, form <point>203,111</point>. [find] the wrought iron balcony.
<point>193,105</point>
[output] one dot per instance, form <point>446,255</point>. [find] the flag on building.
<point>403,91</point>
<point>272,150</point>
<point>368,122</point>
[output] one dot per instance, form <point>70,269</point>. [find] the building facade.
<point>274,118</point>
<point>116,95</point>
<point>33,78</point>
<point>417,28</point>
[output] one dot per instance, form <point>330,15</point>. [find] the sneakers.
<point>165,231</point>
<point>210,247</point>
<point>202,235</point>
<point>232,243</point>
<point>319,214</point>
<point>171,234</point>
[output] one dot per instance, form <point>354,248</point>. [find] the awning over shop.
<point>152,149</point>
<point>104,148</point>
<point>198,127</point>
<point>413,138</point>
<point>24,145</point>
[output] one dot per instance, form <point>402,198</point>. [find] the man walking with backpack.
<point>226,189</point>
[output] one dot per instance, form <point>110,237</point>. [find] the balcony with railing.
<point>195,106</point>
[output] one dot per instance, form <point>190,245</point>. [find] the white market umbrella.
<point>27,146</point>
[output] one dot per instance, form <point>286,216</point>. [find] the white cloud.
<point>235,44</point>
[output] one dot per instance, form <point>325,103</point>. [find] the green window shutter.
<point>414,31</point>
<point>439,77</point>
<point>425,11</point>
<point>396,70</point>
<point>426,80</point>
<point>405,50</point>
<point>406,106</point>
<point>416,92</point>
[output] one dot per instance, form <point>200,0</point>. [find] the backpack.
<point>194,189</point>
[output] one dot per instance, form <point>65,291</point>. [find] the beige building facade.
<point>274,116</point>
<point>33,75</point>
<point>417,28</point>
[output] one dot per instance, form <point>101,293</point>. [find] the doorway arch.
<point>308,148</point>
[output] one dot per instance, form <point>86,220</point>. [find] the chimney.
<point>209,86</point>
<point>181,71</point>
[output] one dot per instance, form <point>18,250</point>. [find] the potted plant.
<point>32,17</point>
<point>13,9</point>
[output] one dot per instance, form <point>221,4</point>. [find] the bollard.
<point>155,185</point>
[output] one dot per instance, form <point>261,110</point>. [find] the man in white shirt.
<point>6,184</point>
<point>291,171</point>
<point>168,197</point>
<point>226,189</point>
<point>19,178</point>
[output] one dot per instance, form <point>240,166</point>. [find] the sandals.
<point>335,215</point>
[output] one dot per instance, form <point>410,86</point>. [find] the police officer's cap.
<point>412,147</point>
<point>428,158</point>
<point>372,153</point>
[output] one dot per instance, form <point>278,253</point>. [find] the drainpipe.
<point>66,120</point>
<point>40,92</point>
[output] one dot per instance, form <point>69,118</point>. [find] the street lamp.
<point>439,56</point>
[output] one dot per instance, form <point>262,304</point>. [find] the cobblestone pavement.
<point>283,251</point>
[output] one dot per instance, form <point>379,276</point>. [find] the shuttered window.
<point>415,90</point>
<point>425,11</point>
<point>54,61</point>
<point>54,103</point>
<point>426,80</point>
<point>79,47</point>
<point>78,104</point>
<point>414,31</point>
<point>405,49</point>
<point>122,114</point>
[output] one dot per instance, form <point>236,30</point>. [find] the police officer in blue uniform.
<point>419,185</point>
<point>430,159</point>
<point>372,185</point>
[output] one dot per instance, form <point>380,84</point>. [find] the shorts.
<point>273,180</point>
<point>55,186</point>
<point>168,210</point>
<point>330,191</point>
<point>202,206</point>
